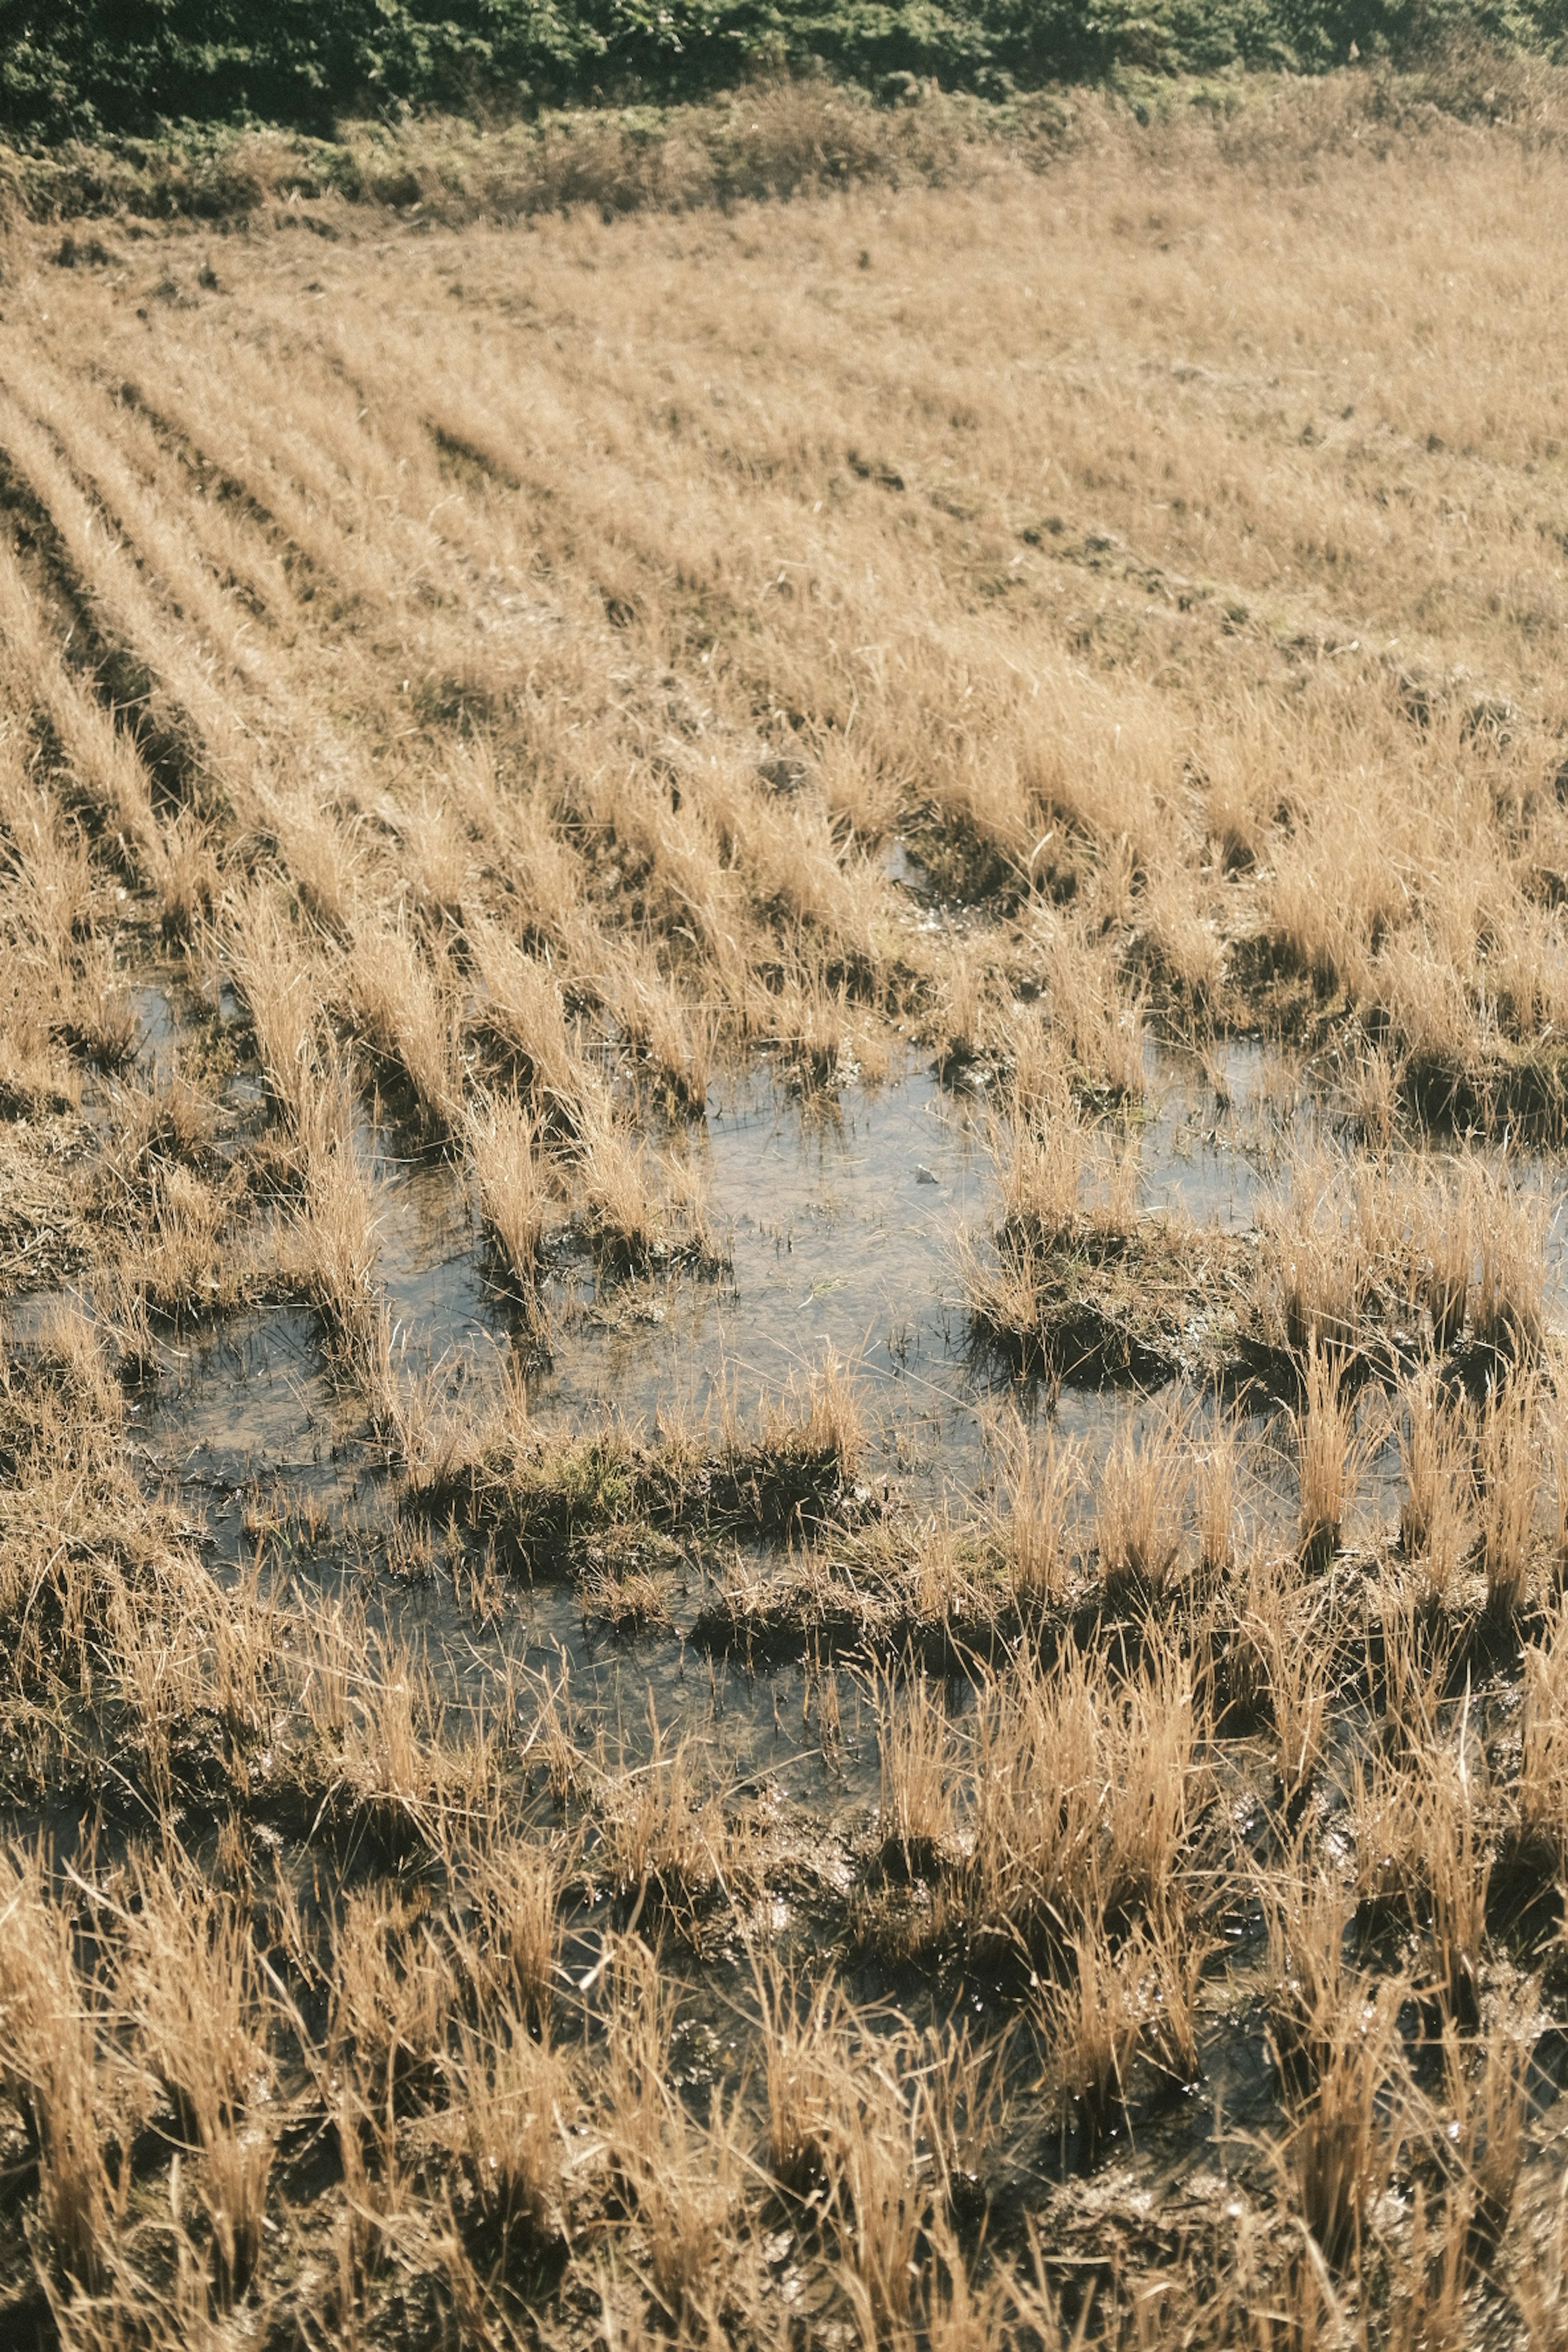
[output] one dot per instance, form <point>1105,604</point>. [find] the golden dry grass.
<point>493,668</point>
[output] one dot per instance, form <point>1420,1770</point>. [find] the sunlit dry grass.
<point>514,679</point>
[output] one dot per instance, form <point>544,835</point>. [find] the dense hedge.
<point>85,65</point>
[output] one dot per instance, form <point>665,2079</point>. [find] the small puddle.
<point>841,1221</point>
<point>899,864</point>
<point>1213,1130</point>
<point>157,1029</point>
<point>840,1226</point>
<point>243,1416</point>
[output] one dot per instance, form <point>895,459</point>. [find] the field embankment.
<point>778,135</point>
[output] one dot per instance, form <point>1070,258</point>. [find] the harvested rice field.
<point>785,1404</point>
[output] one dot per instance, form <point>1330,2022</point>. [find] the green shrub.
<point>84,67</point>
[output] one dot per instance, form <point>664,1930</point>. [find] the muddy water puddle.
<point>841,1226</point>
<point>240,1410</point>
<point>839,1231</point>
<point>1213,1130</point>
<point>841,1222</point>
<point>839,1236</point>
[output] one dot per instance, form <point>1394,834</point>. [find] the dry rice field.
<point>784,1051</point>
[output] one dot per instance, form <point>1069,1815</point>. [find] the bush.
<point>84,67</point>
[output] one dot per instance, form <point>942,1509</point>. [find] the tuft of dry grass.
<point>1215,1493</point>
<point>1512,1279</point>
<point>1062,1174</point>
<point>1128,1774</point>
<point>1326,1451</point>
<point>1300,1690</point>
<point>53,2073</point>
<point>1094,2024</point>
<point>401,1002</point>
<point>512,2095</point>
<point>514,1191</point>
<point>1312,1990</point>
<point>1436,1514</point>
<point>337,1252</point>
<point>1345,2141</point>
<point>1041,1478</point>
<point>1544,1754</point>
<point>1140,1504</point>
<point>1509,1478</point>
<point>914,1747</point>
